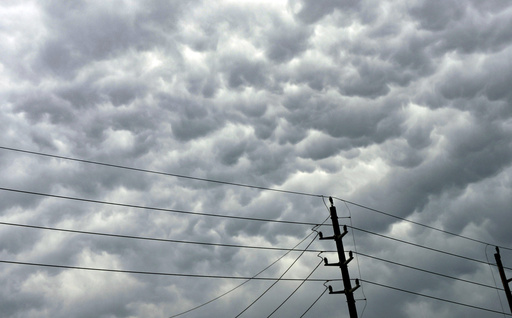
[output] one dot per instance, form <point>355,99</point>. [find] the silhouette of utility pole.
<point>343,262</point>
<point>504,279</point>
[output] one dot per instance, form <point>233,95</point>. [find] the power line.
<point>242,185</point>
<point>158,239</point>
<point>286,271</point>
<point>427,271</point>
<point>226,245</point>
<point>240,285</point>
<point>156,209</point>
<point>158,273</point>
<point>237,217</point>
<point>314,303</point>
<point>228,216</point>
<point>214,244</point>
<point>237,246</point>
<point>435,298</point>
<point>422,246</point>
<point>295,290</point>
<point>418,223</point>
<point>160,172</point>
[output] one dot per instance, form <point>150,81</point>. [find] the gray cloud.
<point>286,41</point>
<point>310,12</point>
<point>404,107</point>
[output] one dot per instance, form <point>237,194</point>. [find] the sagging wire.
<point>316,300</point>
<point>289,267</point>
<point>240,285</point>
<point>417,223</point>
<point>300,285</point>
<point>436,298</point>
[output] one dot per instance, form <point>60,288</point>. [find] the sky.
<point>116,115</point>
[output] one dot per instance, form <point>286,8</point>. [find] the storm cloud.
<point>400,108</point>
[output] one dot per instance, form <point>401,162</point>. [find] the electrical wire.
<point>240,285</point>
<point>227,245</point>
<point>160,239</point>
<point>230,217</point>
<point>302,283</point>
<point>156,209</point>
<point>159,172</point>
<point>253,247</point>
<point>427,271</point>
<point>242,185</point>
<point>314,302</point>
<point>422,246</point>
<point>220,244</point>
<point>435,298</point>
<point>417,223</point>
<point>232,245</point>
<point>157,273</point>
<point>275,282</point>
<point>236,217</point>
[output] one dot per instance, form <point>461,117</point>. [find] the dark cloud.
<point>404,107</point>
<point>467,159</point>
<point>286,41</point>
<point>312,11</point>
<point>42,106</point>
<point>244,72</point>
<point>436,16</point>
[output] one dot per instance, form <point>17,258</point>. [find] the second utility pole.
<point>348,290</point>
<point>504,279</point>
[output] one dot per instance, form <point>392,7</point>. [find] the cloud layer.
<point>401,106</point>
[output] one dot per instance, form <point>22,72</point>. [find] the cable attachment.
<point>345,231</point>
<point>326,263</point>
<point>350,291</point>
<point>322,237</point>
<point>355,287</point>
<point>350,257</point>
<point>335,292</point>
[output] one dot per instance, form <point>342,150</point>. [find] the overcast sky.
<point>401,106</point>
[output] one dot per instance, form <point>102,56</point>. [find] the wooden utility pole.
<point>343,262</point>
<point>504,279</point>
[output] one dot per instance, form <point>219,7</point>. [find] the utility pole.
<point>504,279</point>
<point>343,262</point>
